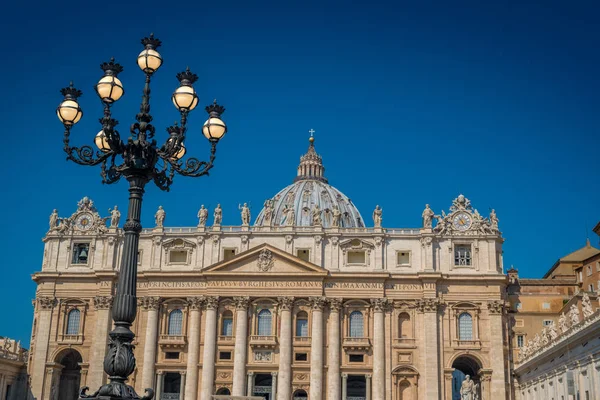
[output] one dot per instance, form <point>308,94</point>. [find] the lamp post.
<point>139,160</point>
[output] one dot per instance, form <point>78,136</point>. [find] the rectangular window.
<point>580,275</point>
<point>356,358</point>
<point>519,323</point>
<point>403,259</point>
<point>139,257</point>
<point>589,270</point>
<point>302,327</point>
<point>591,288</point>
<point>356,257</point>
<point>597,266</point>
<point>178,256</point>
<point>547,322</point>
<point>303,254</point>
<point>545,306</point>
<point>172,355</point>
<point>520,340</point>
<point>228,326</point>
<point>301,357</point>
<point>224,355</point>
<point>462,255</point>
<point>228,254</point>
<point>81,252</point>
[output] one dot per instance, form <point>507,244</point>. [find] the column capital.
<point>160,372</point>
<point>211,302</point>
<point>335,304</point>
<point>317,303</point>
<point>250,373</point>
<point>495,307</point>
<point>345,376</point>
<point>46,303</point>
<point>103,302</point>
<point>195,303</point>
<point>368,376</point>
<point>273,373</point>
<point>182,373</point>
<point>428,305</point>
<point>380,305</point>
<point>149,302</point>
<point>241,302</point>
<point>285,303</point>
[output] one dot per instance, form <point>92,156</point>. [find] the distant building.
<point>13,370</point>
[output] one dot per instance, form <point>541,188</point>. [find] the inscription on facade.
<point>171,284</point>
<point>278,284</point>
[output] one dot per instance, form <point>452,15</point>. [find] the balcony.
<point>263,342</point>
<point>301,340</point>
<point>223,339</point>
<point>404,343</point>
<point>356,343</point>
<point>466,344</point>
<point>70,339</point>
<point>172,341</point>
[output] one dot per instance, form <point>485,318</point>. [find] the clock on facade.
<point>461,221</point>
<point>84,221</point>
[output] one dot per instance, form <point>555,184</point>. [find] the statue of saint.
<point>202,216</point>
<point>586,306</point>
<point>377,213</point>
<point>467,389</point>
<point>552,333</point>
<point>440,225</point>
<point>54,220</point>
<point>563,324</point>
<point>316,216</point>
<point>290,216</point>
<point>159,217</point>
<point>268,212</point>
<point>494,221</point>
<point>337,216</point>
<point>574,315</point>
<point>245,214</point>
<point>218,215</point>
<point>427,216</point>
<point>115,217</point>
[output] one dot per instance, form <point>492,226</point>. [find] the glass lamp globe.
<point>214,129</point>
<point>109,88</point>
<point>149,60</point>
<point>102,142</point>
<point>185,98</point>
<point>182,150</point>
<point>69,112</point>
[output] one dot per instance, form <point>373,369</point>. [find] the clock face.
<point>84,222</point>
<point>461,221</point>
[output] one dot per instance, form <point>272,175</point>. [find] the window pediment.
<point>178,244</point>
<point>356,244</point>
<point>178,251</point>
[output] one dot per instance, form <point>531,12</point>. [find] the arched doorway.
<point>263,386</point>
<point>224,392</point>
<point>356,387</point>
<point>70,376</point>
<point>406,382</point>
<point>463,366</point>
<point>300,394</point>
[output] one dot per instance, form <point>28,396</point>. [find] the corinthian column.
<point>429,308</point>
<point>210,347</point>
<point>333,354</point>
<point>191,383</point>
<point>379,348</point>
<point>151,304</point>
<point>497,356</point>
<point>284,388</point>
<point>241,336</point>
<point>43,309</point>
<point>96,373</point>
<point>316,349</point>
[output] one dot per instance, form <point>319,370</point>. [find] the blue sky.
<point>412,103</point>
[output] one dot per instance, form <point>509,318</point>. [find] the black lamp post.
<point>140,160</point>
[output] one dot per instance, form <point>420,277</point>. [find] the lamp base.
<point>115,391</point>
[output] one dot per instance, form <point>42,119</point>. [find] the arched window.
<point>175,322</point>
<point>264,323</point>
<point>224,391</point>
<point>356,324</point>
<point>227,324</point>
<point>404,326</point>
<point>300,395</point>
<point>465,326</point>
<point>302,324</point>
<point>73,319</point>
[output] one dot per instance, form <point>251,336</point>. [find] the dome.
<point>310,189</point>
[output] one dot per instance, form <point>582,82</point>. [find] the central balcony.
<point>172,341</point>
<point>356,343</point>
<point>263,342</point>
<point>301,340</point>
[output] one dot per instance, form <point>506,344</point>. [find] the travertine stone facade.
<point>13,375</point>
<point>319,307</point>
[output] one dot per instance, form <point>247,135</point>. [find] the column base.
<point>115,391</point>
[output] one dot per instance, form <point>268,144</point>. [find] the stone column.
<point>241,340</point>
<point>496,314</point>
<point>431,375</point>
<point>379,306</point>
<point>273,385</point>
<point>159,384</point>
<point>210,347</point>
<point>250,383</point>
<point>368,381</point>
<point>44,308</point>
<point>102,305</point>
<point>181,386</point>
<point>333,353</point>
<point>284,390</point>
<point>316,349</point>
<point>344,386</point>
<point>151,304</point>
<point>191,384</point>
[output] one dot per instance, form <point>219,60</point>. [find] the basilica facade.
<point>304,302</point>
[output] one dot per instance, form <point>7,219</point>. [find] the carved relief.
<point>84,221</point>
<point>300,377</point>
<point>265,260</point>
<point>263,356</point>
<point>463,219</point>
<point>103,302</point>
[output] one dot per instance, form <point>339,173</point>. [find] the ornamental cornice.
<point>103,302</point>
<point>380,304</point>
<point>211,302</point>
<point>150,302</point>
<point>317,303</point>
<point>335,305</point>
<point>285,303</point>
<point>241,302</point>
<point>46,303</point>
<point>195,303</point>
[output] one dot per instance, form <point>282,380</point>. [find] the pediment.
<point>265,260</point>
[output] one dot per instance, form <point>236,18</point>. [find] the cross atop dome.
<point>311,164</point>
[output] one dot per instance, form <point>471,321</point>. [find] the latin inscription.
<point>171,284</point>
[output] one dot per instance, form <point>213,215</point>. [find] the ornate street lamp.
<point>137,160</point>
